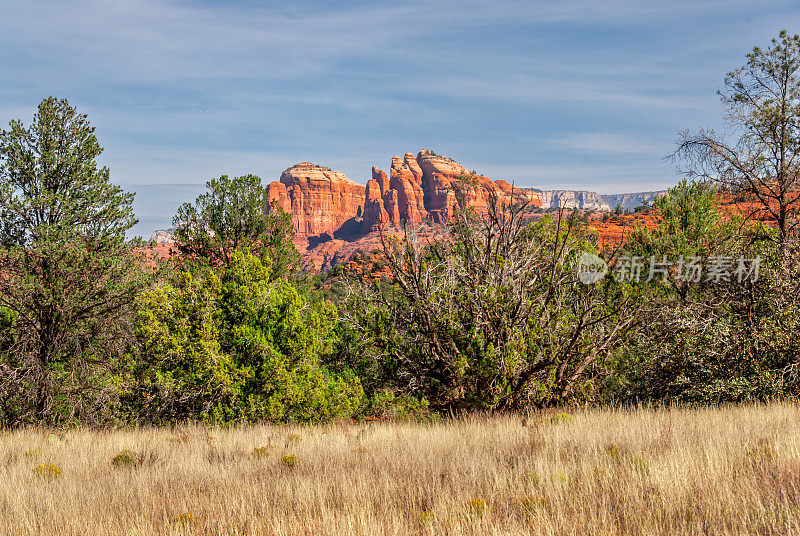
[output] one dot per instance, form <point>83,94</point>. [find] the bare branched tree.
<point>762,106</point>
<point>493,315</point>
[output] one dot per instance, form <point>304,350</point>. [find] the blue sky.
<point>572,94</point>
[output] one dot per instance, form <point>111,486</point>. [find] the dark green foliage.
<point>708,341</point>
<point>731,340</point>
<point>236,344</point>
<point>68,273</point>
<point>233,214</point>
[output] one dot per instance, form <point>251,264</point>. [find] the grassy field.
<point>734,470</point>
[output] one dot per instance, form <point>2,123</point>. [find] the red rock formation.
<point>421,187</point>
<point>277,191</point>
<point>445,177</point>
<point>380,176</point>
<point>391,202</point>
<point>418,188</point>
<point>408,185</point>
<point>319,199</point>
<point>425,186</point>
<point>431,163</point>
<point>413,165</point>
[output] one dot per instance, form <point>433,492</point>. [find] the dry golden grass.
<point>723,471</point>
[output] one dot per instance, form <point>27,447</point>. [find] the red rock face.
<point>375,215</point>
<point>319,199</point>
<point>407,182</point>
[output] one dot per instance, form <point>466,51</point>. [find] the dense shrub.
<point>234,344</point>
<point>710,341</point>
<point>492,316</point>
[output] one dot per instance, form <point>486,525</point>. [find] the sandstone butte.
<point>334,216</point>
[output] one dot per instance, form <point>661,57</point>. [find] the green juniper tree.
<point>236,344</point>
<point>235,337</point>
<point>703,340</point>
<point>67,272</point>
<point>234,213</point>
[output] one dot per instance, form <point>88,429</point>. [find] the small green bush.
<point>425,518</point>
<point>639,464</point>
<point>186,519</point>
<point>57,439</point>
<point>618,455</point>
<point>260,452</point>
<point>532,503</point>
<point>560,418</point>
<point>613,452</point>
<point>48,471</point>
<point>33,453</point>
<point>126,458</point>
<point>386,405</point>
<point>761,453</point>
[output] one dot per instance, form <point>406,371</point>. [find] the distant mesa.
<point>593,201</point>
<point>417,188</point>
<point>423,187</point>
<point>319,199</point>
<point>164,236</point>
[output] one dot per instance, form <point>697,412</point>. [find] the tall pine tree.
<point>67,272</point>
